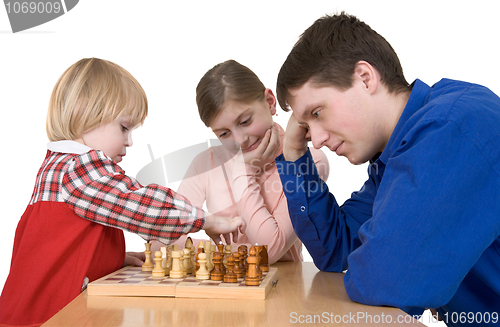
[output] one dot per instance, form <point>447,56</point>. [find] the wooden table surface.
<point>303,295</point>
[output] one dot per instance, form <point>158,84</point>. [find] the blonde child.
<point>240,178</point>
<point>71,232</point>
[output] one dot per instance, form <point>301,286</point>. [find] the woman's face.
<point>243,125</point>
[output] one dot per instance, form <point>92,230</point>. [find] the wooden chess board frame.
<point>132,281</point>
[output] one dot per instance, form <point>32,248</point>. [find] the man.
<point>423,231</point>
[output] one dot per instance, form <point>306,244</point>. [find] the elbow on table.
<point>376,294</point>
<point>329,265</point>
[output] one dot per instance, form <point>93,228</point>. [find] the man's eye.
<point>124,128</point>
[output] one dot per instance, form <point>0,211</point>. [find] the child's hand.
<point>215,226</point>
<point>134,259</point>
<point>266,152</point>
<point>296,138</point>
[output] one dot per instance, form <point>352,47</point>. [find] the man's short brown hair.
<point>327,52</point>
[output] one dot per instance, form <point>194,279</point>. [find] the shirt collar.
<point>68,146</point>
<point>419,93</point>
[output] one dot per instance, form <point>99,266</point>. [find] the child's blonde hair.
<point>90,93</point>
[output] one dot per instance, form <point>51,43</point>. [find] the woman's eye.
<point>246,121</point>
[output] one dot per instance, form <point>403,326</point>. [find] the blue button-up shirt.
<point>423,231</point>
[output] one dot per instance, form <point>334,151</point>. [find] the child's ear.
<point>271,100</point>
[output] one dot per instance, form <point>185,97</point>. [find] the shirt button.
<point>302,208</point>
<point>299,174</point>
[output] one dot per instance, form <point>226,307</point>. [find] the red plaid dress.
<point>72,229</point>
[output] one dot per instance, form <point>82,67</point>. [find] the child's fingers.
<point>235,236</point>
<point>134,259</point>
<point>240,228</point>
<point>216,238</point>
<point>227,237</point>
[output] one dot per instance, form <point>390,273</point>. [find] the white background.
<point>168,45</point>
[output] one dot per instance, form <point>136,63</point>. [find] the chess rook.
<point>176,271</point>
<point>237,270</point>
<point>264,261</point>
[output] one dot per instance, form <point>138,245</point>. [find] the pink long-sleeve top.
<point>232,189</point>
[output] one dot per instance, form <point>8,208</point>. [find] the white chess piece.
<point>176,271</point>
<point>187,261</point>
<point>158,271</point>
<point>202,273</point>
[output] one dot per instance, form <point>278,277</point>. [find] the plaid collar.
<point>68,146</point>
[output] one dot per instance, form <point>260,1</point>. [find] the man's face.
<point>344,121</point>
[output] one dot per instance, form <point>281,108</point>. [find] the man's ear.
<point>271,100</point>
<point>367,74</point>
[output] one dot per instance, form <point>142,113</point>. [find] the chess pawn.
<point>216,273</point>
<point>237,270</point>
<point>220,248</point>
<point>213,248</point>
<point>245,254</point>
<point>158,271</point>
<point>230,276</point>
<point>187,261</point>
<point>208,251</point>
<point>264,261</point>
<point>244,249</point>
<point>257,252</point>
<point>201,246</point>
<point>148,264</point>
<point>192,251</point>
<point>202,273</point>
<point>252,276</point>
<point>164,261</point>
<point>188,243</point>
<point>241,254</point>
<point>227,253</point>
<point>168,266</point>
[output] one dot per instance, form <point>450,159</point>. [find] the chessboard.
<point>132,281</point>
<point>214,272</point>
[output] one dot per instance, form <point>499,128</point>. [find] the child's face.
<point>243,125</point>
<point>343,121</point>
<point>111,138</point>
